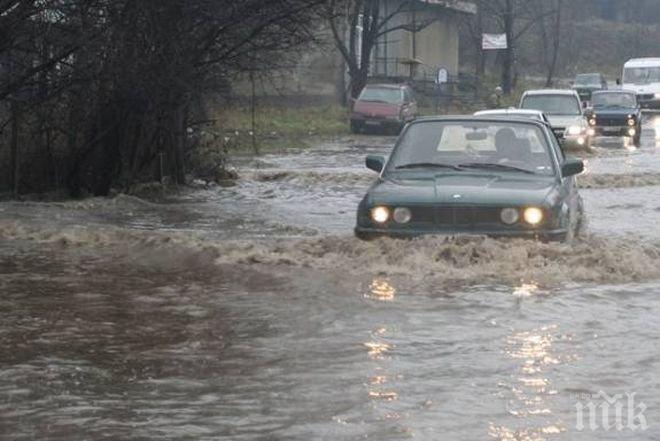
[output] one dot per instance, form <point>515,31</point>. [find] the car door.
<point>568,189</point>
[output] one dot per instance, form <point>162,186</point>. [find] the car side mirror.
<point>572,167</point>
<point>375,163</point>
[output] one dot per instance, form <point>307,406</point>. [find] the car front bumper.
<point>368,233</point>
<point>614,131</point>
<point>375,122</point>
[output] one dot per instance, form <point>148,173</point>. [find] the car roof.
<point>643,62</point>
<point>478,118</point>
<point>386,86</point>
<point>567,92</point>
<point>509,112</point>
<point>613,91</point>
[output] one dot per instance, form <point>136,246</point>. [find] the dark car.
<point>616,113</point>
<point>586,84</point>
<point>473,175</point>
<point>383,106</point>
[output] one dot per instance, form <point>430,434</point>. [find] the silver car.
<point>565,112</point>
<point>521,113</point>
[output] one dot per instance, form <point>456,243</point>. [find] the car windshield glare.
<point>627,100</point>
<point>455,146</point>
<point>641,75</point>
<point>382,94</point>
<point>553,104</point>
<point>587,80</point>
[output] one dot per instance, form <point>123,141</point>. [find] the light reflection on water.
<point>533,389</point>
<point>381,289</point>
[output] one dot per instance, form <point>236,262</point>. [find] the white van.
<point>642,75</point>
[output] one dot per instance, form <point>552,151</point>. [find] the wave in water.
<point>463,260</point>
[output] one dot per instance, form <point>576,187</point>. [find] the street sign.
<point>442,77</point>
<point>494,41</point>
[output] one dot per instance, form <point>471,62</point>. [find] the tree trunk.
<point>556,42</point>
<point>480,68</point>
<point>509,55</point>
<point>15,159</point>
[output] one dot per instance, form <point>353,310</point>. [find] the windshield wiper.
<point>496,167</point>
<point>428,165</point>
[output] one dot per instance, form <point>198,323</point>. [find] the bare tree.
<point>474,27</point>
<point>514,18</point>
<point>551,36</point>
<point>100,93</point>
<point>357,26</point>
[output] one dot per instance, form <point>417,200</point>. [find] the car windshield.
<point>587,80</point>
<point>464,145</point>
<point>553,104</point>
<point>641,75</point>
<point>627,100</point>
<point>381,94</point>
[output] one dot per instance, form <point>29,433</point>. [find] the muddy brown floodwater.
<point>250,313</point>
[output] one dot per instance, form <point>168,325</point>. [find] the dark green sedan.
<point>473,175</point>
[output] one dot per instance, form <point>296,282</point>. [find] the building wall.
<point>435,46</point>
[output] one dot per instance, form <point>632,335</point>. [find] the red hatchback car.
<point>383,106</point>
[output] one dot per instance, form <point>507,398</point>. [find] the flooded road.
<point>250,313</point>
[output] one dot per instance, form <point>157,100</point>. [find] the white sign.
<point>443,76</point>
<point>494,41</point>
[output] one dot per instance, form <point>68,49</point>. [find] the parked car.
<point>642,76</point>
<point>616,113</point>
<point>564,110</point>
<point>588,83</point>
<point>473,175</point>
<point>523,113</point>
<point>384,106</point>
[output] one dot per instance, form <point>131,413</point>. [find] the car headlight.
<point>574,130</point>
<point>533,215</point>
<point>592,121</point>
<point>657,96</point>
<point>631,122</point>
<point>509,216</point>
<point>402,215</point>
<point>380,215</point>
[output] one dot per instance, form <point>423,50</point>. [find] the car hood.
<point>642,89</point>
<point>561,121</point>
<point>376,108</point>
<point>464,189</point>
<point>614,112</point>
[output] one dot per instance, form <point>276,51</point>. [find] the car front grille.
<point>611,121</point>
<point>646,97</point>
<point>466,216</point>
<point>461,217</point>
